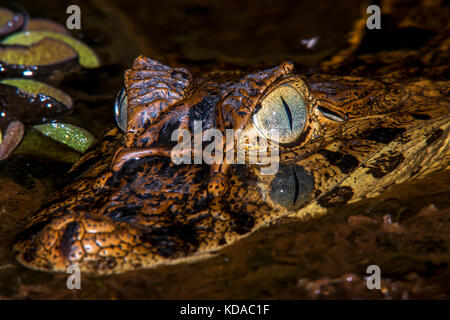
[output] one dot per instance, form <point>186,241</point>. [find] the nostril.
<point>29,254</point>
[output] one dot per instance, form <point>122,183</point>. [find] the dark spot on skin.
<point>227,119</point>
<point>198,218</point>
<point>124,214</point>
<point>436,134</point>
<point>337,196</point>
<point>202,174</point>
<point>331,156</point>
<point>416,171</point>
<point>204,112</point>
<point>253,92</point>
<point>179,172</point>
<point>172,240</point>
<point>420,116</point>
<point>385,165</point>
<point>244,174</point>
<point>109,182</point>
<point>242,222</point>
<point>381,134</point>
<point>29,254</point>
<point>165,134</point>
<point>68,238</point>
<point>345,162</point>
<point>107,263</point>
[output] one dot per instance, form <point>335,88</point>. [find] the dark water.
<point>405,231</point>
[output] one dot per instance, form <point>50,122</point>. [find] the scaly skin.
<point>133,207</point>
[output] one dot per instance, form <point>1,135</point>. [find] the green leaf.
<point>87,57</point>
<point>74,137</point>
<point>46,52</point>
<point>37,145</point>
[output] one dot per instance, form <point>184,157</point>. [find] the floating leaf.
<point>35,144</point>
<point>75,137</point>
<point>11,139</point>
<point>16,104</point>
<point>10,21</point>
<point>46,52</point>
<point>33,88</point>
<point>6,15</point>
<point>87,57</point>
<point>45,24</point>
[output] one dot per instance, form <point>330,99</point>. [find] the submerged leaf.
<point>87,57</point>
<point>75,137</point>
<point>33,88</point>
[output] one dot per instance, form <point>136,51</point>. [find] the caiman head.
<point>331,140</point>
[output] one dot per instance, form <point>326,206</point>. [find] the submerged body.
<point>341,138</point>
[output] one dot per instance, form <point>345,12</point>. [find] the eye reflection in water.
<point>291,187</point>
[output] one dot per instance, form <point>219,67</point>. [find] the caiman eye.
<point>291,187</point>
<point>120,110</point>
<point>282,116</point>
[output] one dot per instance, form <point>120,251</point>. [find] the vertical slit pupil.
<point>288,111</point>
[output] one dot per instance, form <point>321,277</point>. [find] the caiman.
<point>364,120</point>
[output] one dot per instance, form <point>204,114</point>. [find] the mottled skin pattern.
<point>132,207</point>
